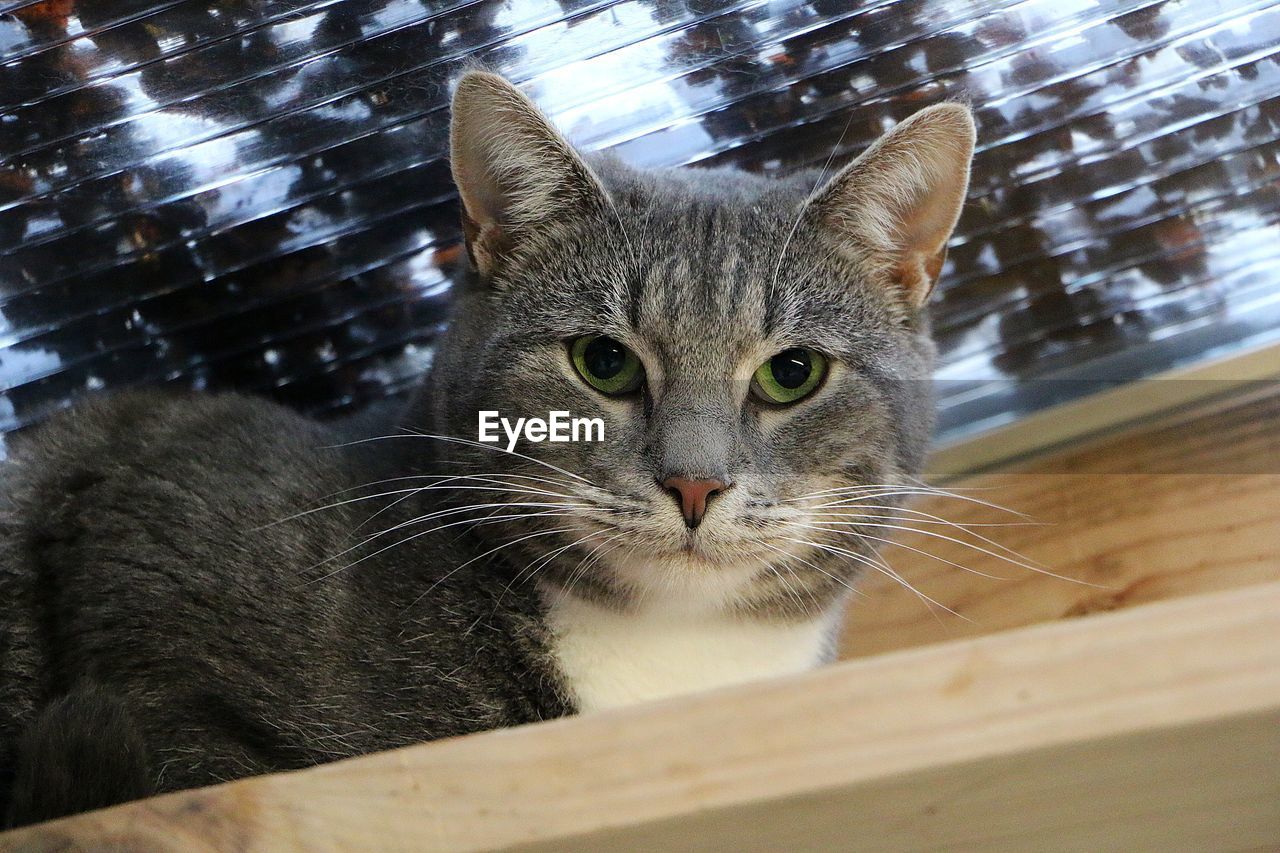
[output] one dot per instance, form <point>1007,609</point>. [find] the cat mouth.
<point>690,546</point>
<point>704,551</point>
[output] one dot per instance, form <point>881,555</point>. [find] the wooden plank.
<point>1108,411</point>
<point>1148,729</point>
<point>1187,507</point>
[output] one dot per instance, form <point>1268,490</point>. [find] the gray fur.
<point>136,554</point>
<point>133,557</point>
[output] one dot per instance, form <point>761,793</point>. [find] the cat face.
<point>754,347</point>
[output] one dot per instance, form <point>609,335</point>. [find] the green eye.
<point>605,364</point>
<point>789,376</point>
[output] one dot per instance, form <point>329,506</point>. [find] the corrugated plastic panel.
<point>253,195</point>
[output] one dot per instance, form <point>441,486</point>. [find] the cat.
<point>199,588</point>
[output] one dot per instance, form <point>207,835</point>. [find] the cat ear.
<point>516,174</point>
<point>897,204</point>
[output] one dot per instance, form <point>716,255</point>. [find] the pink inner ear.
<point>917,274</point>
<point>901,198</point>
<point>515,172</point>
<point>933,266</point>
<point>924,232</point>
<point>485,242</point>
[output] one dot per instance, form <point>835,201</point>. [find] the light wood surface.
<point>1149,729</point>
<point>1129,403</point>
<point>1187,507</point>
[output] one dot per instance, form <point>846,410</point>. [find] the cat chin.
<point>689,582</point>
<point>699,554</point>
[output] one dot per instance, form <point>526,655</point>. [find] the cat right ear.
<point>897,204</point>
<point>516,174</point>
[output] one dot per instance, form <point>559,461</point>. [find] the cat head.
<point>757,350</point>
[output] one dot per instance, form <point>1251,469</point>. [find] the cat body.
<point>194,589</point>
<point>145,561</point>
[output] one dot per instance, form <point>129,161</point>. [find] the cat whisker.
<point>1008,555</point>
<point>495,475</point>
<point>878,565</point>
<point>1016,559</point>
<point>816,568</point>
<point>895,489</point>
<point>520,491</point>
<point>583,568</point>
<point>927,491</point>
<point>591,559</point>
<point>496,505</point>
<point>871,538</point>
<point>916,481</point>
<point>795,226</point>
<point>871,493</point>
<point>839,490</point>
<point>777,572</point>
<point>956,495</point>
<point>560,481</point>
<point>929,518</point>
<point>893,514</point>
<point>392,505</point>
<point>533,568</point>
<point>428,488</point>
<point>851,496</point>
<point>883,568</point>
<point>441,514</point>
<point>423,533</point>
<point>545,559</point>
<point>786,584</point>
<point>496,448</point>
<point>433,530</point>
<point>505,487</point>
<point>306,512</point>
<point>488,553</point>
<point>583,489</point>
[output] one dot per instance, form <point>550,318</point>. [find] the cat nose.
<point>693,496</point>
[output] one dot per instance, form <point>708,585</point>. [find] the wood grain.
<point>1148,729</point>
<point>1187,507</point>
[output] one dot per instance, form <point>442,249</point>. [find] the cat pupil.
<point>604,357</point>
<point>791,368</point>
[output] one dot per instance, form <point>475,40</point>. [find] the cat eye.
<point>789,376</point>
<point>606,365</point>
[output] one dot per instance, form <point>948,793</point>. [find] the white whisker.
<point>928,491</point>
<point>869,537</point>
<point>804,206</point>
<point>491,551</point>
<point>440,514</point>
<point>505,487</point>
<point>1016,560</point>
<point>882,567</point>
<point>496,448</point>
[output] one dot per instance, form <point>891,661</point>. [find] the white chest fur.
<point>612,659</point>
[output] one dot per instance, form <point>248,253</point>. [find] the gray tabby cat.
<point>194,589</point>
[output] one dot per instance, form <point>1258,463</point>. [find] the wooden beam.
<point>1104,412</point>
<point>1189,506</point>
<point>1149,729</point>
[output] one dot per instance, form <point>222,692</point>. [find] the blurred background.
<point>253,194</point>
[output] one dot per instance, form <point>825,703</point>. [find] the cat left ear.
<point>516,174</point>
<point>898,203</point>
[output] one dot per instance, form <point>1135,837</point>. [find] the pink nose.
<point>693,496</point>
